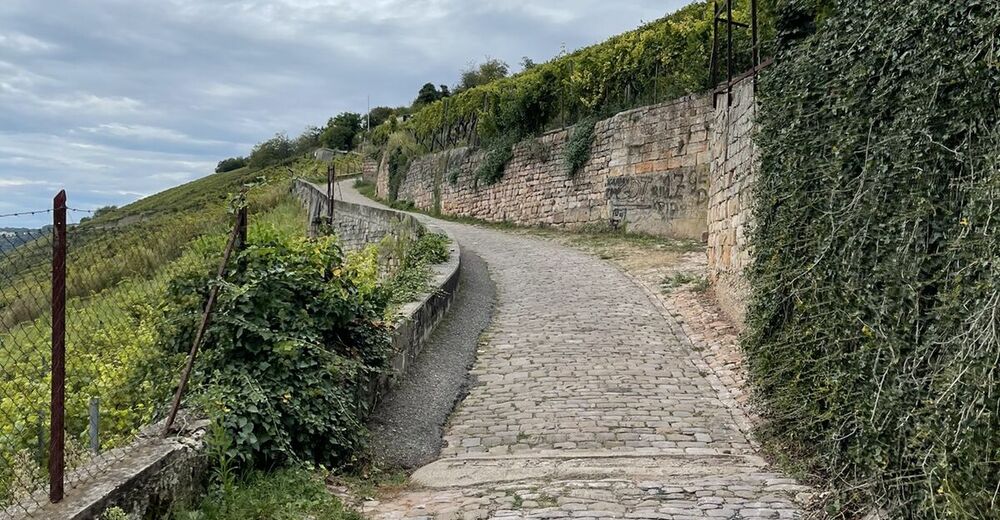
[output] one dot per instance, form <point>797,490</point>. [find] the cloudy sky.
<point>117,99</point>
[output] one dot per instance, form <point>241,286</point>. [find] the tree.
<point>527,63</point>
<point>104,210</point>
<point>427,95</point>
<point>230,164</point>
<point>379,115</point>
<point>340,131</point>
<point>271,152</point>
<point>308,140</point>
<point>487,72</point>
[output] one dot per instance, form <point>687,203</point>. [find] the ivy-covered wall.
<point>647,170</point>
<point>872,335</point>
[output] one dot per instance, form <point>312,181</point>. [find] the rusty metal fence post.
<point>237,240</point>
<point>57,454</point>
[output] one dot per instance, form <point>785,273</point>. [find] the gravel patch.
<point>408,425</point>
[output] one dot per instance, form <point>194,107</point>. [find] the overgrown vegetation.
<point>498,154</point>
<point>577,151</point>
<point>117,317</point>
<point>659,61</point>
<point>365,188</point>
<point>411,277</point>
<point>872,335</point>
<point>284,494</point>
<point>298,336</point>
<point>697,282</point>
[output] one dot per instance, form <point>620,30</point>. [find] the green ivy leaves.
<point>870,336</point>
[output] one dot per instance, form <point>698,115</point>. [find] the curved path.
<point>587,401</point>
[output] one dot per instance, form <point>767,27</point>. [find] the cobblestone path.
<point>589,402</point>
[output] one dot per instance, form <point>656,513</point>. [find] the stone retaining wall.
<point>369,171</point>
<point>356,225</point>
<point>734,164</point>
<point>648,171</point>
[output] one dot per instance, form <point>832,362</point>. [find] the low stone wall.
<point>648,171</point>
<point>356,225</point>
<point>734,165</point>
<point>143,479</point>
<point>359,225</point>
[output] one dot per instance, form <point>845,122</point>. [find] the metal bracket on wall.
<point>724,13</point>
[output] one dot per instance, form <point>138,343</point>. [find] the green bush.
<point>284,494</point>
<point>499,153</point>
<point>126,335</point>
<point>398,163</point>
<point>872,332</point>
<point>292,350</point>
<point>577,151</point>
<point>230,164</point>
<point>400,150</point>
<point>412,275</point>
<point>272,152</point>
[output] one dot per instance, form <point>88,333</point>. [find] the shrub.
<point>871,338</point>
<point>296,341</point>
<point>271,152</point>
<point>490,170</point>
<point>411,277</point>
<point>281,494</point>
<point>400,149</point>
<point>230,164</point>
<point>577,151</point>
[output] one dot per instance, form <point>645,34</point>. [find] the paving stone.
<point>581,362</point>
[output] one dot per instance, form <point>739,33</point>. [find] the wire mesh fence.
<point>25,361</point>
<point>81,371</point>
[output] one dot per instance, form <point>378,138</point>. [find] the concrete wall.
<point>648,169</point>
<point>734,166</point>
<point>144,479</point>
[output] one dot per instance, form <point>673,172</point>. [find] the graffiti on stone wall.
<point>618,217</point>
<point>673,194</point>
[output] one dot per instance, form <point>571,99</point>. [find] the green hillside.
<point>120,268</point>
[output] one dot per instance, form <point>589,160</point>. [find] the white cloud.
<point>139,132</point>
<point>91,103</point>
<point>229,91</point>
<point>24,43</point>
<point>16,183</point>
<point>93,166</point>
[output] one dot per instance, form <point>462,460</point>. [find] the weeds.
<point>697,283</point>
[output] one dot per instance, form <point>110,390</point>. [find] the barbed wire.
<point>42,211</point>
<point>25,213</point>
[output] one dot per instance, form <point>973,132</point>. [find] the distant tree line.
<point>347,131</point>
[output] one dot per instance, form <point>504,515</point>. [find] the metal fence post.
<point>57,413</point>
<point>206,317</point>
<point>331,178</point>
<point>95,425</point>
